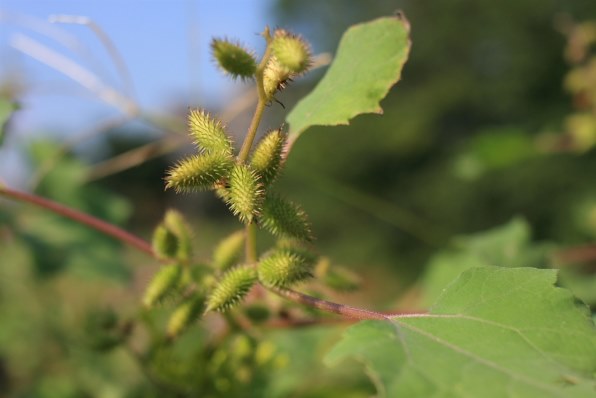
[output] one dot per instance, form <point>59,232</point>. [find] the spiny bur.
<point>234,59</point>
<point>164,243</point>
<point>208,133</point>
<point>163,283</point>
<point>184,315</point>
<point>283,268</point>
<point>284,218</point>
<point>266,159</point>
<point>245,193</point>
<point>291,51</point>
<point>231,289</point>
<point>199,172</point>
<point>174,222</point>
<point>290,57</point>
<point>228,251</point>
<point>275,77</point>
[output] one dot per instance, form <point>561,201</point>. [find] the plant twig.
<point>76,72</point>
<point>328,306</point>
<point>262,102</point>
<point>86,219</point>
<point>105,41</point>
<point>140,244</point>
<point>134,157</point>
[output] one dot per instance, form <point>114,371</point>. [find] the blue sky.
<point>165,45</point>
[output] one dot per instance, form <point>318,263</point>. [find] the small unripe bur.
<point>245,193</point>
<point>231,289</point>
<point>266,159</point>
<point>284,218</point>
<point>234,59</point>
<point>172,238</point>
<point>291,51</point>
<point>184,315</point>
<point>164,243</point>
<point>174,222</point>
<point>163,283</point>
<point>283,268</point>
<point>208,133</point>
<point>275,77</point>
<point>198,173</point>
<point>227,252</point>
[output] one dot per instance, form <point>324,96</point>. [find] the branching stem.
<point>251,234</point>
<point>138,243</point>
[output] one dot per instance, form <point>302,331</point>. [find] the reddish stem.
<point>120,234</point>
<point>328,306</point>
<point>80,217</point>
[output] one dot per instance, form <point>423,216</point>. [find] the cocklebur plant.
<point>509,327</point>
<point>244,182</point>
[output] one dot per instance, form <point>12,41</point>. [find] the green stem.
<point>251,232</point>
<point>262,102</point>
<point>251,244</point>
<point>252,131</point>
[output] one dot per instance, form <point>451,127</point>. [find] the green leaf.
<point>494,149</point>
<point>495,332</point>
<point>507,245</point>
<point>368,62</point>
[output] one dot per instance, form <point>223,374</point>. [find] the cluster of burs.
<point>244,183</point>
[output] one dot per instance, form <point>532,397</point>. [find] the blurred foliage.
<point>489,122</point>
<point>461,144</point>
<point>7,107</point>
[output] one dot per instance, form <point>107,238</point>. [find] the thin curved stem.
<point>262,102</point>
<point>82,218</point>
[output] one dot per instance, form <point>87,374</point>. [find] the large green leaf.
<point>495,332</point>
<point>368,62</point>
<point>507,245</point>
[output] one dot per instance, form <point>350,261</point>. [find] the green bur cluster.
<point>245,179</point>
<point>245,184</point>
